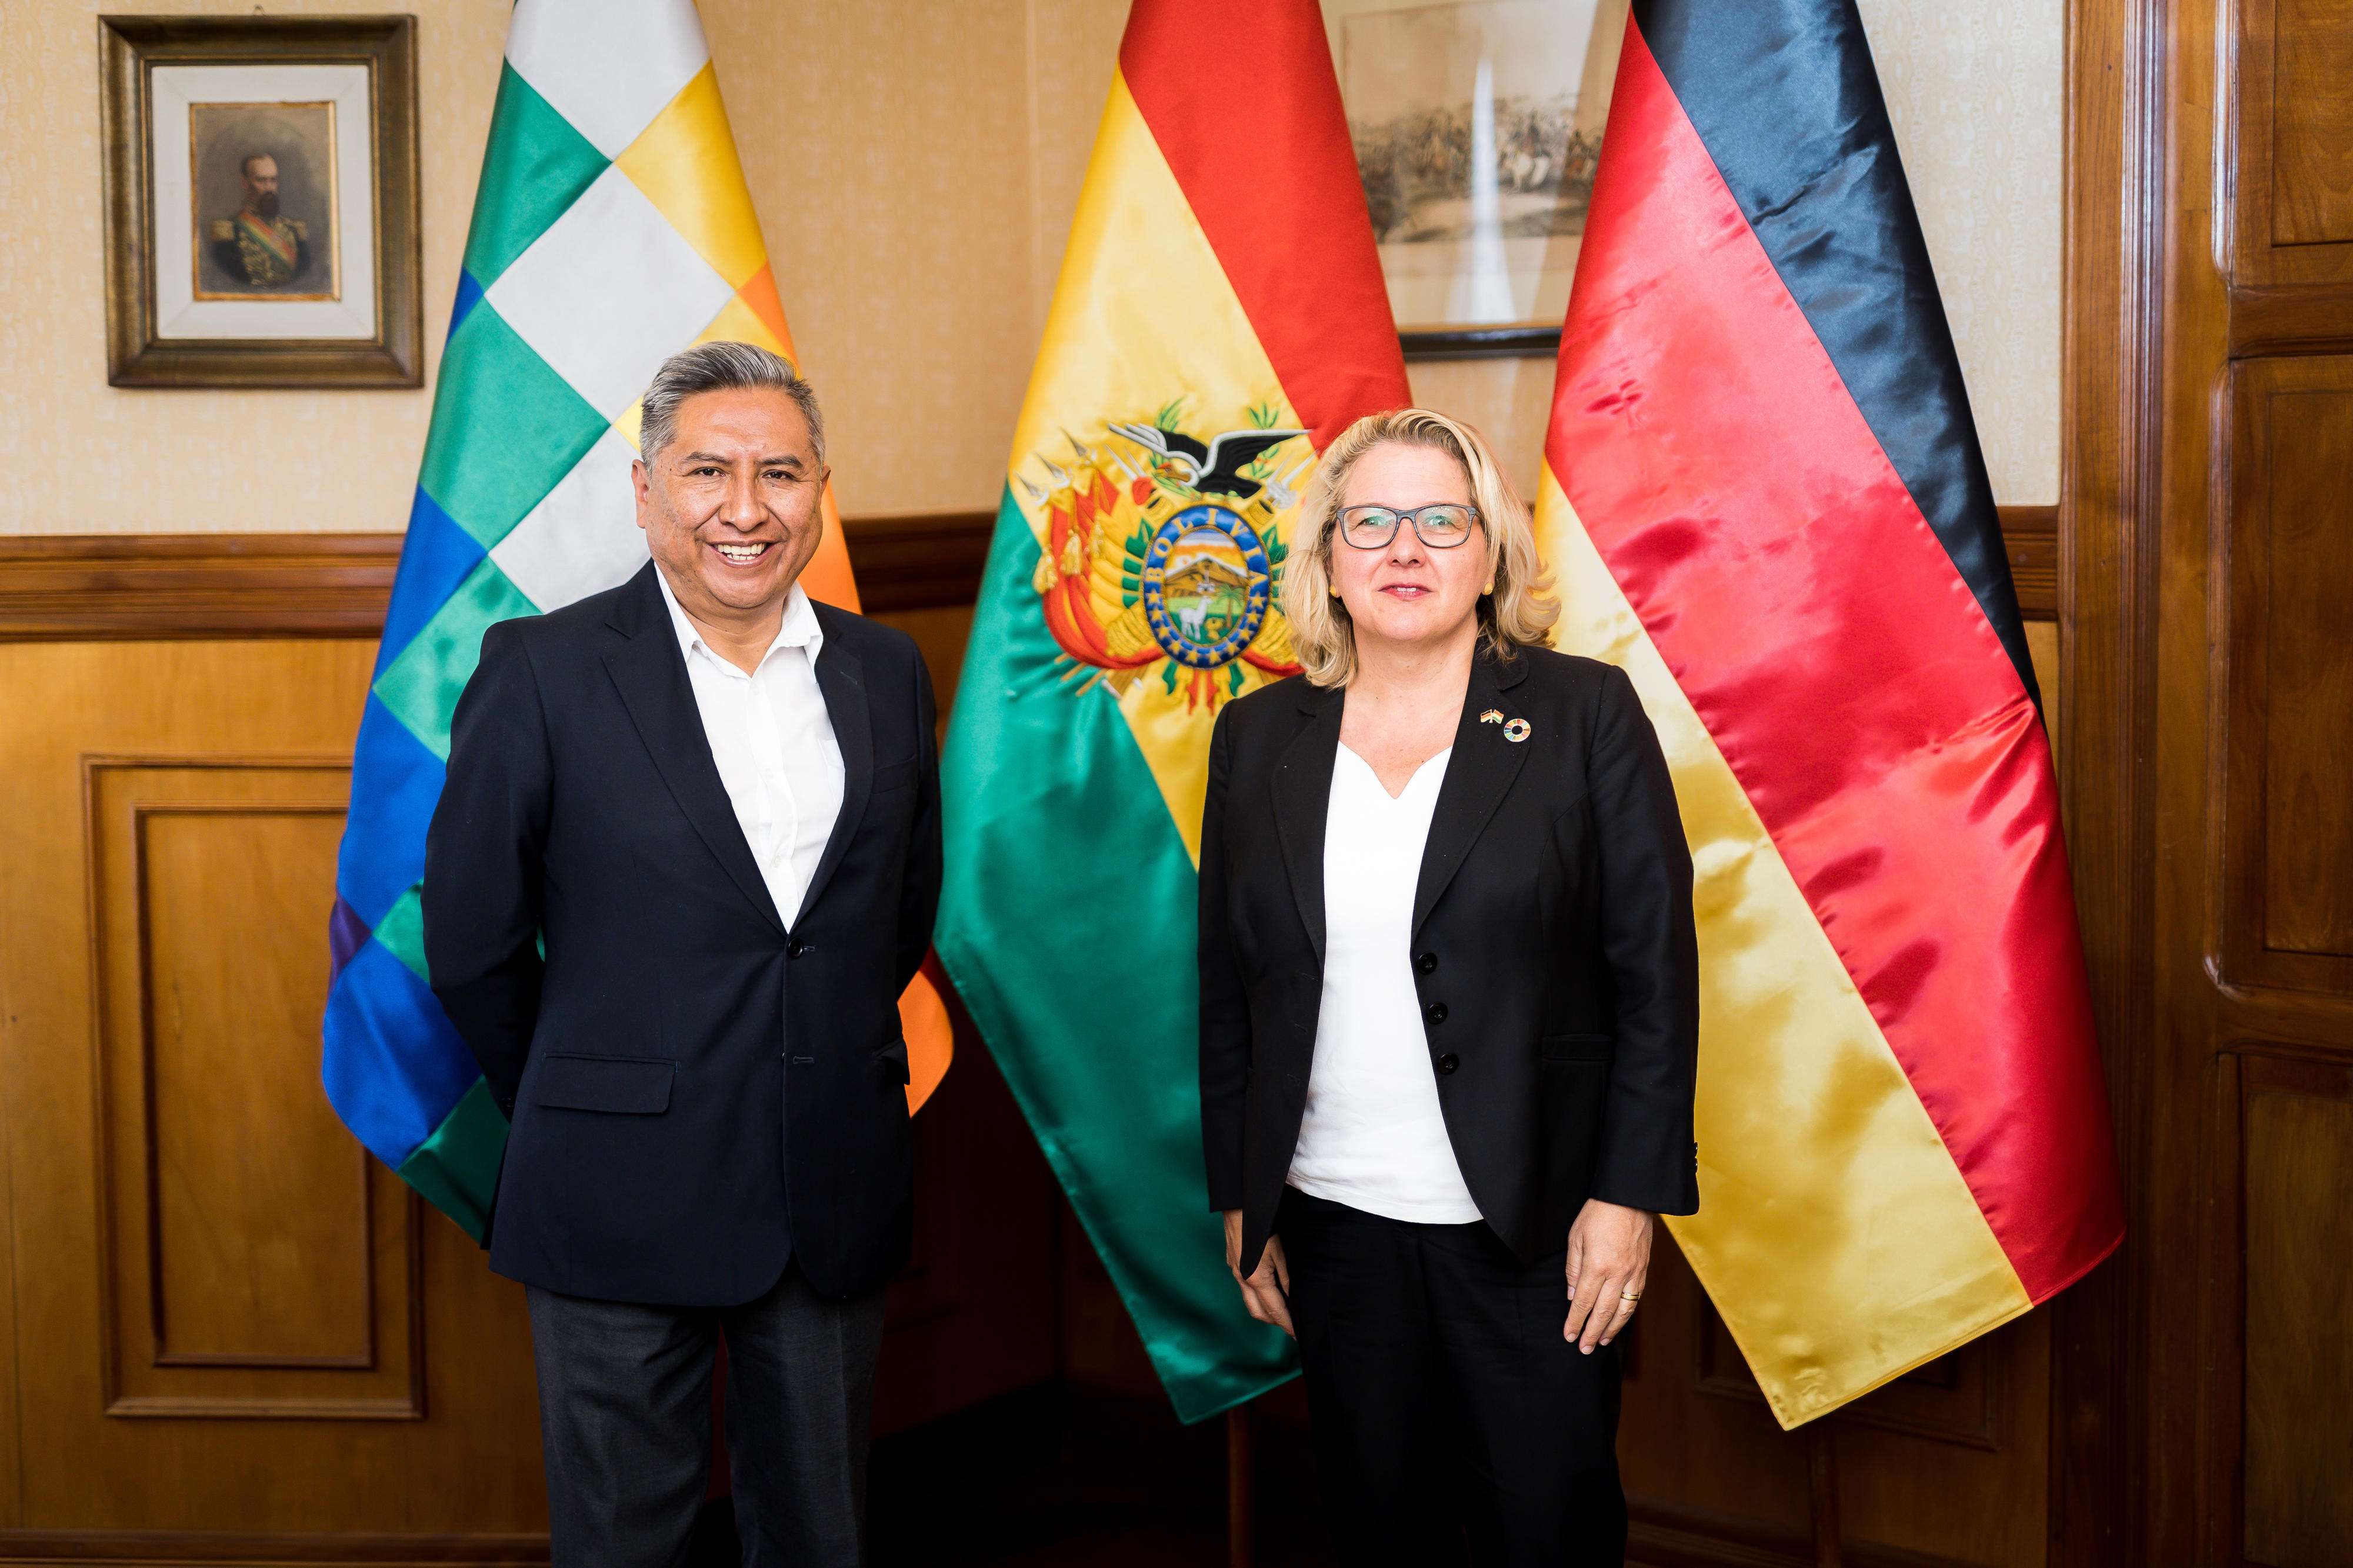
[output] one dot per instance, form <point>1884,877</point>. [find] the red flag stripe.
<point>1843,668</point>
<point>1243,102</point>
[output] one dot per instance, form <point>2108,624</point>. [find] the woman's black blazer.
<point>1552,951</point>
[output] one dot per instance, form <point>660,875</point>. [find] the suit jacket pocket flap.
<point>631,1085</point>
<point>894,776</point>
<point>1578,1047</point>
<point>893,1061</point>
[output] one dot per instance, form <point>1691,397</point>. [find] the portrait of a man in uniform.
<point>260,244</point>
<point>263,189</point>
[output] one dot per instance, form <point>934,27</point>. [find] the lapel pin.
<point>1518,731</point>
<point>1492,716</point>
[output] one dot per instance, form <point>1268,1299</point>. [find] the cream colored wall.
<point>86,458</point>
<point>915,164</point>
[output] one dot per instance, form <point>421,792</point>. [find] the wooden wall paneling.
<point>2288,910</point>
<point>1946,1465</point>
<point>2294,1213</point>
<point>972,1316</point>
<point>2312,123</point>
<point>97,743</point>
<point>2294,132</point>
<point>258,1262</point>
<point>147,586</point>
<point>2118,201</point>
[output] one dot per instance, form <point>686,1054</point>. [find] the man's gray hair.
<point>721,367</point>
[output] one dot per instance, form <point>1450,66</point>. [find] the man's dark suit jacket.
<point>701,1087</point>
<point>1553,949</point>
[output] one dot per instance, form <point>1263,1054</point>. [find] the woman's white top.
<point>1374,1137</point>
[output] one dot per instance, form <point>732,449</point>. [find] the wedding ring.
<point>1629,1295</point>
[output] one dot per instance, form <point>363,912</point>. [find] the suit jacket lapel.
<point>1477,778</point>
<point>843,681</point>
<point>650,670</point>
<point>1302,803</point>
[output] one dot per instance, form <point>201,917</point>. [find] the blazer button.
<point>1448,1063</point>
<point>1435,1012</point>
<point>1427,962</point>
<point>794,947</point>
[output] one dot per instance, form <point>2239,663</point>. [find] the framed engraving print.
<point>1477,126</point>
<point>261,201</point>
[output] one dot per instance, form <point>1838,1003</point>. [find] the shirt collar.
<point>800,628</point>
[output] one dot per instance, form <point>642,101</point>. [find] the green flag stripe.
<point>457,1169</point>
<point>505,428</point>
<point>1068,927</point>
<point>402,932</point>
<point>535,167</point>
<point>421,687</point>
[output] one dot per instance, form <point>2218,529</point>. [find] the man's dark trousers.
<point>624,1417</point>
<point>706,1093</point>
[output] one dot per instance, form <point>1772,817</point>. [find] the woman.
<point>1449,1013</point>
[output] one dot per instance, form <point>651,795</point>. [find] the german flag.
<point>1763,496</point>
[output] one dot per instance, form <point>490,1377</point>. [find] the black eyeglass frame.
<point>1340,525</point>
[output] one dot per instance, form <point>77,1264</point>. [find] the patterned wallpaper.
<point>915,164</point>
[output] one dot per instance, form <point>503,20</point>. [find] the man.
<point>713,806</point>
<point>258,246</point>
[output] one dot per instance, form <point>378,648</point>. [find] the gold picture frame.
<point>261,201</point>
<point>1477,128</point>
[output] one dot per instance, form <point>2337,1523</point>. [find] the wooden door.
<point>2209,1377</point>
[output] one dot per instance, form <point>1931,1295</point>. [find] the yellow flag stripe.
<point>1142,313</point>
<point>1834,1232</point>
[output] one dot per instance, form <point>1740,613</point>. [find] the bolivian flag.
<point>611,229</point>
<point>1763,496</point>
<point>1221,317</point>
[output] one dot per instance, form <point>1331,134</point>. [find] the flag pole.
<point>1822,1504</point>
<point>1240,1532</point>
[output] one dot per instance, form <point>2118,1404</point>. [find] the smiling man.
<point>685,861</point>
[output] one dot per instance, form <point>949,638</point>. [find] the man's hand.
<point>1266,1292</point>
<point>1609,1259</point>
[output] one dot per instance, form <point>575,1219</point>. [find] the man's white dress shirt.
<point>774,743</point>
<point>1374,1137</point>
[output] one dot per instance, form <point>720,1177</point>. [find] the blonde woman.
<point>1449,1013</point>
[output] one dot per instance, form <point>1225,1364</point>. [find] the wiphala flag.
<point>611,229</point>
<point>1764,498</point>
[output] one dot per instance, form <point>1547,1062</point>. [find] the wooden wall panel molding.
<point>148,587</point>
<point>2287,845</point>
<point>2031,536</point>
<point>2282,1401</point>
<point>102,587</point>
<point>2293,220</point>
<point>171,1549</point>
<point>257,1262</point>
<point>2118,201</point>
<point>1955,1399</point>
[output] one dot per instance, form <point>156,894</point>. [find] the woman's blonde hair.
<point>1516,614</point>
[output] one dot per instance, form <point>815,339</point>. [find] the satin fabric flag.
<point>611,229</point>
<point>1219,318</point>
<point>1764,497</point>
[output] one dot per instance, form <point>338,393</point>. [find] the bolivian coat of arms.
<point>1163,555</point>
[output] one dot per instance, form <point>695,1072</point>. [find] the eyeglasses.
<point>1441,527</point>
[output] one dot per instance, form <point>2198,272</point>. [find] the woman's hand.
<point>1265,1293</point>
<point>1609,1259</point>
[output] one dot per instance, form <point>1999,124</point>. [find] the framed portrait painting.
<point>1477,126</point>
<point>261,201</point>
